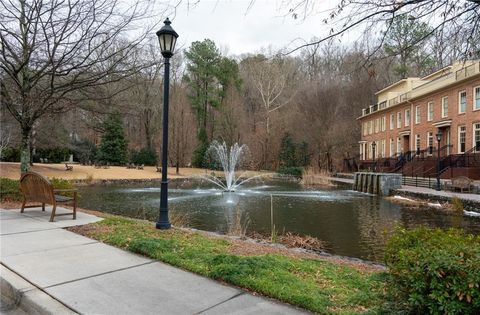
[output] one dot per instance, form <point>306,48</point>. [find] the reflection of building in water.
<point>376,219</point>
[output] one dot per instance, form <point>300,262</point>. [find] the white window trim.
<point>417,114</point>
<point>458,138</point>
<point>429,105</point>
<point>407,121</point>
<point>428,144</point>
<point>392,126</point>
<point>443,107</point>
<point>473,98</point>
<point>459,102</point>
<point>473,133</point>
<point>399,120</point>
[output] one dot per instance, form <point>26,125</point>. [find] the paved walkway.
<point>442,193</point>
<point>66,273</point>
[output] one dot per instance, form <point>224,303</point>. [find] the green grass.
<point>319,286</point>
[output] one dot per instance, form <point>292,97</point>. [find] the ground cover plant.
<point>434,271</point>
<point>10,188</point>
<point>317,285</point>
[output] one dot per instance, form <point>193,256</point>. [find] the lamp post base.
<point>163,225</point>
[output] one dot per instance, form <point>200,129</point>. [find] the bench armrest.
<point>65,190</point>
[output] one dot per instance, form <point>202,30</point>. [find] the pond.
<point>351,223</point>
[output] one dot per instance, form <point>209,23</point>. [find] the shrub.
<point>10,155</point>
<point>293,171</point>
<point>10,189</point>
<point>59,183</point>
<point>457,205</point>
<point>144,156</point>
<point>54,155</point>
<point>434,271</point>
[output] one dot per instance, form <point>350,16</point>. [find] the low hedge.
<point>292,171</point>
<point>10,188</point>
<point>434,271</point>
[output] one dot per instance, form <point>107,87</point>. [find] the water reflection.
<point>353,224</point>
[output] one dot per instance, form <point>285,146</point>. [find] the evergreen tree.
<point>402,40</point>
<point>208,76</point>
<point>287,152</point>
<point>113,148</point>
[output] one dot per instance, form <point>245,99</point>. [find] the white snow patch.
<point>403,198</point>
<point>471,213</point>
<point>434,205</point>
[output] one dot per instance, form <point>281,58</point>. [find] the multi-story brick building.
<point>404,124</point>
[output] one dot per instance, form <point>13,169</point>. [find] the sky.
<point>237,28</point>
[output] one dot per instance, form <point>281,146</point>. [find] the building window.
<point>392,121</point>
<point>407,117</point>
<point>476,136</point>
<point>417,114</point>
<point>377,125</point>
<point>444,106</point>
<point>430,111</point>
<point>384,122</point>
<point>399,146</point>
<point>476,98</point>
<point>417,143</point>
<point>462,102</point>
<point>392,148</point>
<point>370,127</point>
<point>399,120</point>
<point>383,147</point>
<point>365,128</point>
<point>461,138</point>
<point>430,142</point>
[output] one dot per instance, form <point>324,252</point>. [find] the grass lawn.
<point>320,286</point>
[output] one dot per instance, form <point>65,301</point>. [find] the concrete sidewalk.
<point>54,271</point>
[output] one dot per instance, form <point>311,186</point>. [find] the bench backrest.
<point>36,187</point>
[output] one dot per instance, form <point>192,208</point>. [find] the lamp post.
<point>439,138</point>
<point>167,38</point>
<point>374,145</point>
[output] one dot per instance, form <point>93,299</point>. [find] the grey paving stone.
<point>56,266</point>
<point>150,289</point>
<point>247,304</point>
<point>38,241</point>
<point>22,225</point>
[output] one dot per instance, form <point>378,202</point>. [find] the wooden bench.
<point>460,182</point>
<point>37,188</point>
<point>68,167</point>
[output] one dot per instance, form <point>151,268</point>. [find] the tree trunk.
<point>25,150</point>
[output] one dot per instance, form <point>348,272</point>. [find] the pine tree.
<point>113,148</point>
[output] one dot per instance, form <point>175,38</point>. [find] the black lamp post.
<point>439,138</point>
<point>167,38</point>
<point>374,145</point>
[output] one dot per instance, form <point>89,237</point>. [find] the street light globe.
<point>439,135</point>
<point>167,37</point>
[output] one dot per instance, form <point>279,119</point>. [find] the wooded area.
<point>70,77</point>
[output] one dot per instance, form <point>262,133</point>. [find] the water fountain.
<point>229,158</point>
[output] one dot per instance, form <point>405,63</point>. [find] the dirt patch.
<point>5,204</point>
<point>90,229</point>
<point>251,248</point>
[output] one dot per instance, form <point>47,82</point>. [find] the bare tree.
<point>450,16</point>
<point>273,82</point>
<point>50,50</point>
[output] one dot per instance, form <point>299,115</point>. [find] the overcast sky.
<point>238,29</point>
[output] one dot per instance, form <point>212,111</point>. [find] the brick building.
<point>399,132</point>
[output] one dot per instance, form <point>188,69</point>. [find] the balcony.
<point>467,71</point>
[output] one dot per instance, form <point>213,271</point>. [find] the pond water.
<point>351,223</point>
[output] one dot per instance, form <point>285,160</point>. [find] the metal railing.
<point>467,71</point>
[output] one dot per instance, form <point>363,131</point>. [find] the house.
<point>399,133</point>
